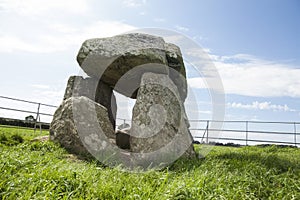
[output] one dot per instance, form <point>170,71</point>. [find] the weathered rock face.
<point>64,130</point>
<point>139,66</point>
<point>78,86</point>
<point>95,90</point>
<point>111,58</point>
<point>106,97</point>
<point>178,74</point>
<point>158,116</point>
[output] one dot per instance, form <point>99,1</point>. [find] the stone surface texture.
<point>111,58</point>
<point>64,129</point>
<point>139,66</point>
<point>158,115</point>
<point>95,90</point>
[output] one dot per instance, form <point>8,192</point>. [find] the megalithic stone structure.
<point>139,66</point>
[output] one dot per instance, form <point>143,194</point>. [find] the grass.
<point>43,170</point>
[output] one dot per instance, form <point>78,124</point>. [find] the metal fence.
<point>241,132</point>
<point>247,132</point>
<point>37,120</point>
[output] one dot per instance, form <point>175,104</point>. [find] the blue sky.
<point>255,46</point>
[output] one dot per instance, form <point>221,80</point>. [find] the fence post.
<point>207,125</point>
<point>37,116</point>
<point>295,134</point>
<point>246,133</point>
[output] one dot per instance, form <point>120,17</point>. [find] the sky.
<point>254,45</point>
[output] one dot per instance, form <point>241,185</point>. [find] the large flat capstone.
<point>108,59</point>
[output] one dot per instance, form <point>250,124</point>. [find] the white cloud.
<point>134,3</point>
<point>199,38</point>
<point>250,76</point>
<point>12,43</point>
<point>205,112</point>
<point>159,20</point>
<point>40,86</point>
<point>60,37</point>
<point>62,28</point>
<point>106,29</point>
<point>45,26</point>
<point>36,7</point>
<point>48,94</point>
<point>261,106</point>
<point>182,28</point>
<point>197,83</point>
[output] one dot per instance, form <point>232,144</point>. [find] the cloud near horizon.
<point>261,106</point>
<point>248,75</point>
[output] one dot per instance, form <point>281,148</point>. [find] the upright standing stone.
<point>177,72</point>
<point>64,128</point>
<point>95,90</point>
<point>158,116</point>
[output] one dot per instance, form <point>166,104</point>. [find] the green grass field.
<point>43,170</point>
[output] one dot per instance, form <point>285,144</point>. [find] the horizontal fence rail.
<point>34,122</point>
<point>208,132</point>
<point>202,131</point>
<point>26,111</point>
<point>205,133</point>
<point>26,101</point>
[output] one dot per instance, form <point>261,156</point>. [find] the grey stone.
<point>123,138</point>
<point>158,117</point>
<point>64,128</point>
<point>178,74</point>
<point>106,97</point>
<point>139,66</point>
<point>78,86</point>
<point>111,58</point>
<point>95,90</point>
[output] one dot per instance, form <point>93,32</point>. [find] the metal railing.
<point>205,133</point>
<point>37,113</point>
<point>209,133</point>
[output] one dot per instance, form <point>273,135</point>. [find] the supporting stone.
<point>158,116</point>
<point>95,90</point>
<point>64,128</point>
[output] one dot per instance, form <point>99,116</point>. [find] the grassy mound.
<point>44,170</point>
